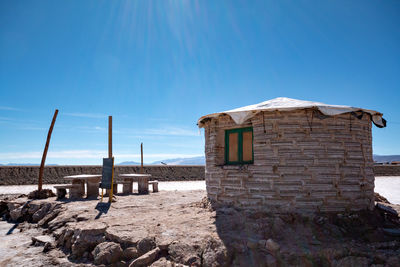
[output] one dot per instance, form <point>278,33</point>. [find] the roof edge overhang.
<point>241,115</point>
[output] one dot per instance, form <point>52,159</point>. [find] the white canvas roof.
<point>240,115</point>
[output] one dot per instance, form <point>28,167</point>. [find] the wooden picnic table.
<point>92,184</point>
<point>142,179</point>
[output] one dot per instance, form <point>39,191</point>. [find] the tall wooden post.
<point>141,157</point>
<point>110,156</point>
<point>46,147</point>
<point>110,136</point>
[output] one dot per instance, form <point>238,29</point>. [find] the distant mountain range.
<point>182,161</point>
<point>178,161</point>
<point>26,164</point>
<point>130,163</point>
<point>386,158</point>
<point>198,161</point>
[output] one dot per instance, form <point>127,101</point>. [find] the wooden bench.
<point>62,190</point>
<point>155,185</point>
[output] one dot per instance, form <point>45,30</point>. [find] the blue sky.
<point>157,66</point>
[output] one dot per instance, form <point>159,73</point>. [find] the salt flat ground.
<point>162,186</point>
<point>387,186</point>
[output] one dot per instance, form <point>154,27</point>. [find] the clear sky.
<point>157,66</point>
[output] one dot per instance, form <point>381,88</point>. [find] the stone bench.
<point>126,188</point>
<point>155,185</point>
<point>62,190</point>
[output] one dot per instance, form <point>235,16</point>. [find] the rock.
<point>278,225</point>
<point>320,220</point>
<point>239,247</point>
<point>42,194</point>
<point>146,259</point>
<point>87,238</point>
<point>262,243</point>
<point>145,245</point>
<point>51,215</point>
<point>379,198</point>
<point>389,210</point>
<point>333,253</point>
<point>333,230</point>
<point>65,239</point>
<point>13,205</point>
<point>252,244</point>
<point>130,253</point>
<point>314,241</point>
<point>126,237</point>
<point>162,262</point>
<point>107,253</point>
<point>271,261</point>
<point>58,222</point>
<point>393,261</point>
<point>3,207</point>
<point>183,253</point>
<point>16,214</point>
<point>163,242</point>
<point>40,213</point>
<point>48,246</point>
<point>33,207</point>
<point>214,253</point>
<point>120,264</point>
<point>41,240</point>
<point>391,231</point>
<point>272,246</point>
<point>351,261</point>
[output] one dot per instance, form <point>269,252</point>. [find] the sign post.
<point>46,147</point>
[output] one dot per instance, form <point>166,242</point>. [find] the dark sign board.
<point>107,173</point>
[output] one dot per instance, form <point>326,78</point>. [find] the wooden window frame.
<point>240,132</point>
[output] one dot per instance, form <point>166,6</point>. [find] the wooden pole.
<point>141,157</point>
<point>46,147</point>
<point>110,156</point>
<point>110,136</point>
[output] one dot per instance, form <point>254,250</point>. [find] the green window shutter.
<point>239,146</point>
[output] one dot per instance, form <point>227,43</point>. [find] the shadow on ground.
<point>259,238</point>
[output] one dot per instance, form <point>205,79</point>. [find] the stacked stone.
<point>303,161</point>
<point>18,175</point>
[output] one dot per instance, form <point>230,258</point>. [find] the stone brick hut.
<point>287,155</point>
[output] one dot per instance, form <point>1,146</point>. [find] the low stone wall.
<point>21,175</point>
<point>387,170</point>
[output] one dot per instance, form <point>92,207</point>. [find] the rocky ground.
<point>179,228</point>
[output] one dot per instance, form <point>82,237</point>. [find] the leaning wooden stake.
<point>46,147</point>
<point>110,156</point>
<point>141,157</point>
